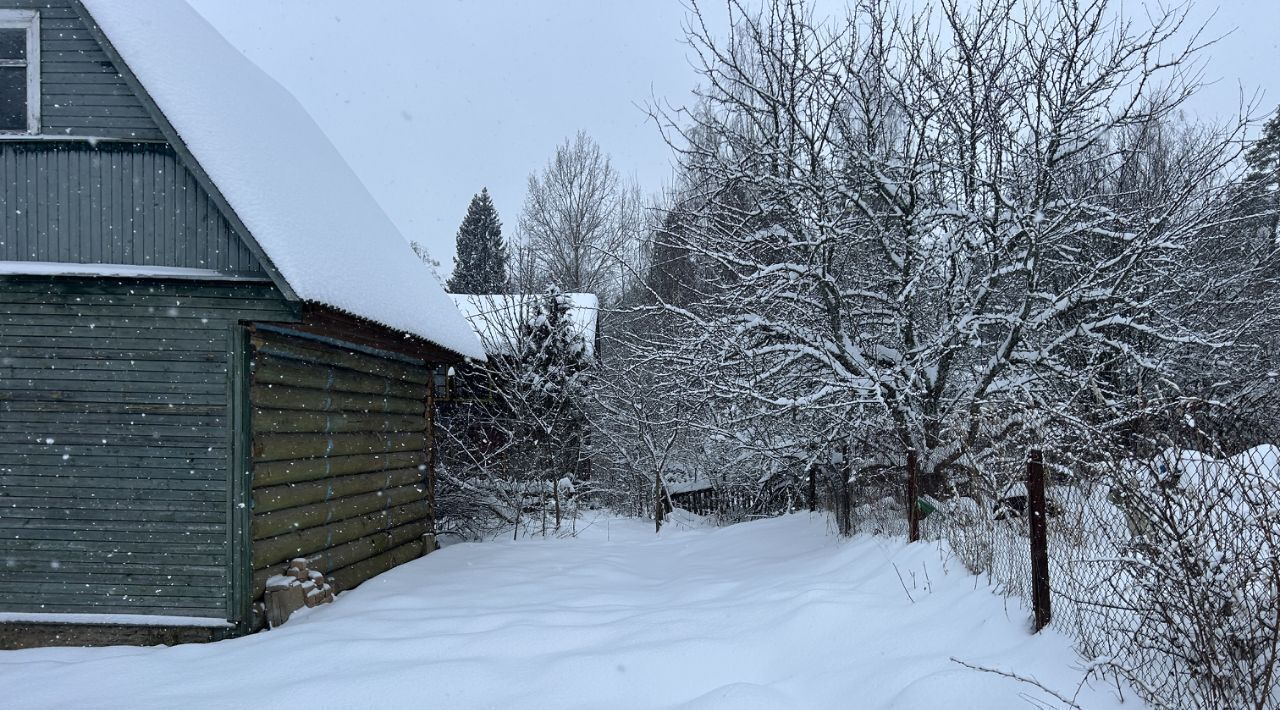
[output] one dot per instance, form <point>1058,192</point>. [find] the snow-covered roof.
<point>496,318</point>
<point>134,271</point>
<point>694,486</point>
<point>317,223</point>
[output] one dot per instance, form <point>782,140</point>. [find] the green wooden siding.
<point>82,92</point>
<point>111,203</point>
<point>117,486</point>
<point>341,441</point>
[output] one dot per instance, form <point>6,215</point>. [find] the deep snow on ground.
<point>770,614</point>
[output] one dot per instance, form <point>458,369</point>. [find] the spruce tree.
<point>480,265</point>
<point>671,275</point>
<point>1263,180</point>
<point>1263,157</point>
<point>550,379</point>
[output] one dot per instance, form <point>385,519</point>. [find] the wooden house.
<point>216,351</point>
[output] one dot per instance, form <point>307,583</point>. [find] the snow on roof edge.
<point>313,218</point>
<point>486,314</point>
<point>132,271</point>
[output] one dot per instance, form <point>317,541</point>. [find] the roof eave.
<point>325,320</point>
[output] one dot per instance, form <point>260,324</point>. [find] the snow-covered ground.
<point>770,614</point>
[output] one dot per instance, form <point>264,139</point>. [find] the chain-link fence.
<point>1163,554</point>
<point>1160,553</point>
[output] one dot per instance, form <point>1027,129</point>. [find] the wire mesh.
<point>1164,554</point>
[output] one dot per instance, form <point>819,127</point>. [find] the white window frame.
<point>28,20</point>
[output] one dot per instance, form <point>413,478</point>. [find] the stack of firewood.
<point>299,586</point>
<point>316,589</point>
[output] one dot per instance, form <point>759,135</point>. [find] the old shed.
<point>216,352</point>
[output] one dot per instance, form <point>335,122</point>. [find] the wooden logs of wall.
<point>341,446</point>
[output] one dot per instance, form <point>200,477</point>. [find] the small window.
<point>19,71</point>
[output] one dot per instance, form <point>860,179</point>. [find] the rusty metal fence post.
<point>913,496</point>
<point>1037,516</point>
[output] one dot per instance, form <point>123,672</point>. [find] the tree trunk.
<point>657,501</point>
<point>555,495</point>
<point>846,495</point>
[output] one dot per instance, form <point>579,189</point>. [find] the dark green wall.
<point>82,94</point>
<point>111,203</point>
<point>122,198</point>
<point>116,474</point>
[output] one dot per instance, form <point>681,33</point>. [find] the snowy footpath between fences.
<point>771,614</point>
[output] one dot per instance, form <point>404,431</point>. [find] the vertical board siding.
<point>115,444</point>
<point>82,92</point>
<point>340,457</point>
<point>113,203</point>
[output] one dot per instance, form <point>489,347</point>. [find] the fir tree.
<point>481,262</point>
<point>671,275</point>
<point>551,367</point>
<point>1263,180</point>
<point>1263,156</point>
<point>553,355</point>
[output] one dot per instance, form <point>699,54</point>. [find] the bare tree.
<point>912,218</point>
<point>579,218</point>
<point>431,262</point>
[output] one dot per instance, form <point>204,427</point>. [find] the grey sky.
<point>430,100</point>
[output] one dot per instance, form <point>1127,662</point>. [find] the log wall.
<point>341,467</point>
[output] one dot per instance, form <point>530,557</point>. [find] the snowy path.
<point>772,614</point>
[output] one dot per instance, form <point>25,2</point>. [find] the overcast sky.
<point>430,100</point>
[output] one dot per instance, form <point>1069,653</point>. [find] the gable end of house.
<point>104,179</point>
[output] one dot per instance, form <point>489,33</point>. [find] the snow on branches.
<point>906,218</point>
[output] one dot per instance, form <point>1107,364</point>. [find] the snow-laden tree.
<point>480,264</point>
<point>514,439</point>
<point>659,422</point>
<point>905,221</point>
<point>1228,282</point>
<point>1261,391</point>
<point>1263,180</point>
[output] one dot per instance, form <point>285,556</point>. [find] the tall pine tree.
<point>480,265</point>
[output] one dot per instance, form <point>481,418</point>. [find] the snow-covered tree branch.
<point>909,218</point>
